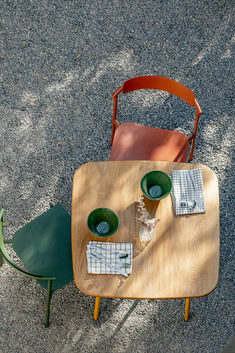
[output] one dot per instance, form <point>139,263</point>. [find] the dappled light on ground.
<point>60,64</point>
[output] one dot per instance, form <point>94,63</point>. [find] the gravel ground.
<point>60,63</point>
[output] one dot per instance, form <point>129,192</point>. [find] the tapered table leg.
<point>187,307</point>
<point>96,311</point>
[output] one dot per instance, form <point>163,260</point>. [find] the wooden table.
<point>181,261</point>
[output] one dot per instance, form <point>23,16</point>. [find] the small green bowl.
<point>156,185</point>
<point>102,222</point>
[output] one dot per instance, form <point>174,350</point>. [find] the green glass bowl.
<point>156,185</point>
<point>102,222</point>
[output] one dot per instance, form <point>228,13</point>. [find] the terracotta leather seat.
<point>132,141</point>
<point>135,141</point>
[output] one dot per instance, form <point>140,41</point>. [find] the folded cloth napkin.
<point>108,250</point>
<point>187,194</point>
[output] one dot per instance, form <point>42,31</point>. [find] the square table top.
<point>182,259</point>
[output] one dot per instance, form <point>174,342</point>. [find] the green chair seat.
<point>44,246</point>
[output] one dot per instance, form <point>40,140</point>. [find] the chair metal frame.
<point>159,83</point>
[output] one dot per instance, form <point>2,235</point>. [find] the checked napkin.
<point>108,251</point>
<point>182,185</point>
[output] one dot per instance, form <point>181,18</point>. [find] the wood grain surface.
<point>182,260</point>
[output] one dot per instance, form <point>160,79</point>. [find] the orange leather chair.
<point>132,141</point>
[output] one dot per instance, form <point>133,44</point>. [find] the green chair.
<point>44,246</point>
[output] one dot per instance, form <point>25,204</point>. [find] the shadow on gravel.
<point>60,64</point>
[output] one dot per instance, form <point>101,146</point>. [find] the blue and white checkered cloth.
<point>108,253</point>
<point>183,190</point>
